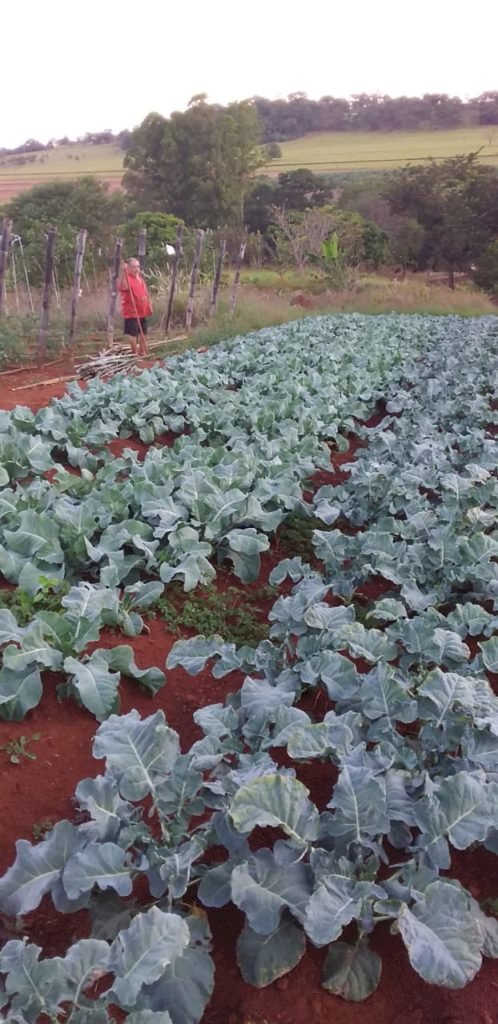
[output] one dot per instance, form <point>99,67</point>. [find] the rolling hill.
<point>321,152</point>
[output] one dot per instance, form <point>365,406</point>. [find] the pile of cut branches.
<point>117,359</point>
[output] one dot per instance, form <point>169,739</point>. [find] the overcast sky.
<point>73,67</point>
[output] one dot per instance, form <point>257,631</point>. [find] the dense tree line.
<point>298,115</point>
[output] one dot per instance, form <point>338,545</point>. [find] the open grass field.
<point>356,151</point>
<point>105,162</point>
<point>321,152</point>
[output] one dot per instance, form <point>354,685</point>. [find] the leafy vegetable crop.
<point>408,742</point>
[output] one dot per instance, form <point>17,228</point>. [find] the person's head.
<point>133,267</point>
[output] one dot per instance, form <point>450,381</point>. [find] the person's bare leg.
<point>143,349</point>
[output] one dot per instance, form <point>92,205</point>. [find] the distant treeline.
<point>297,115</point>
<point>90,138</point>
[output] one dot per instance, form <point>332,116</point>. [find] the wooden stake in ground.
<point>217,277</point>
<point>4,255</point>
<point>193,278</point>
<point>142,244</point>
<point>174,274</point>
<point>116,268</point>
<point>78,267</point>
<point>48,281</point>
<point>236,280</point>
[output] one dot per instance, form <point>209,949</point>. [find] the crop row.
<point>408,742</point>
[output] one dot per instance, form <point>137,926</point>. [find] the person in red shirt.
<point>135,306</point>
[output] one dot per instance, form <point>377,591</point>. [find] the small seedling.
<point>42,828</point>
<point>17,749</point>
<point>24,606</point>
<point>234,615</point>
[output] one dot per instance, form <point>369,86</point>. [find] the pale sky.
<point>68,67</point>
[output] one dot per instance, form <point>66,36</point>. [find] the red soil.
<point>36,790</point>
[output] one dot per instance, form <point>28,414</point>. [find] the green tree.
<point>301,189</point>
<point>68,206</point>
<point>486,274</point>
<point>196,164</point>
<point>455,202</point>
<point>161,230</point>
<point>405,236</point>
<point>272,151</point>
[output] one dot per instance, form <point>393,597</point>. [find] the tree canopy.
<point>68,206</point>
<point>197,164</point>
<point>455,202</point>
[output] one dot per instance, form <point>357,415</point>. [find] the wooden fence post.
<point>236,280</point>
<point>48,282</point>
<point>78,267</point>
<point>116,269</point>
<point>4,255</point>
<point>217,277</point>
<point>142,244</point>
<point>174,274</point>
<point>193,278</point>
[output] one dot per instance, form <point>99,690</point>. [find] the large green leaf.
<point>185,987</point>
<point>121,659</point>
<point>268,885</point>
<point>96,686</point>
<point>108,811</point>
<point>19,692</point>
<point>359,804</point>
<point>244,548</point>
<point>352,972</point>
<point>103,865</point>
<point>139,753</point>
<point>36,869</point>
<point>264,958</point>
<point>34,650</point>
<point>335,903</point>
<point>36,535</point>
<point>84,963</point>
<point>489,650</point>
<point>9,630</point>
<point>276,800</point>
<point>140,954</point>
<point>32,984</point>
<point>462,809</point>
<point>442,936</point>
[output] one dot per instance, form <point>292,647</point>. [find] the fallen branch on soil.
<point>24,369</point>
<point>45,383</point>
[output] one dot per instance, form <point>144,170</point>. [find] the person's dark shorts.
<point>131,326</point>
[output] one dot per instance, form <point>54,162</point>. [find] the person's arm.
<point>123,283</point>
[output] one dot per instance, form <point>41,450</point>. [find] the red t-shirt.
<point>135,298</point>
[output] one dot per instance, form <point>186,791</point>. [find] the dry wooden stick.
<point>45,383</point>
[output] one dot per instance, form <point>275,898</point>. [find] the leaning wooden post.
<point>4,255</point>
<point>116,267</point>
<point>78,267</point>
<point>193,278</point>
<point>48,282</point>
<point>217,277</point>
<point>142,244</point>
<point>236,280</point>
